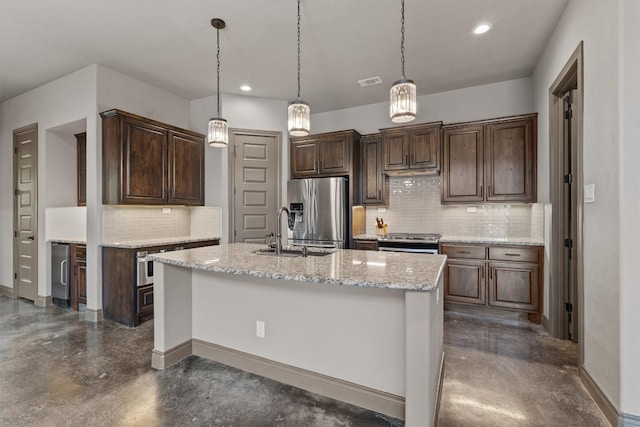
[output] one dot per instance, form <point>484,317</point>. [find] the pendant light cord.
<point>402,37</point>
<point>218,70</point>
<point>298,49</point>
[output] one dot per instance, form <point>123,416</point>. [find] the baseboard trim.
<point>91,315</point>
<point>163,359</point>
<point>627,420</point>
<point>365,397</point>
<point>546,324</point>
<point>43,301</point>
<point>436,414</point>
<point>608,409</point>
<point>6,291</point>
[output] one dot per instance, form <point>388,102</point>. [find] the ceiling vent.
<point>371,81</point>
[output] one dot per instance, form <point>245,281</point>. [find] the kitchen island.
<point>359,326</point>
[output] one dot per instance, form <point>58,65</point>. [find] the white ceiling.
<point>171,44</point>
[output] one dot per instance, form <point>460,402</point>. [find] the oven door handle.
<point>412,250</point>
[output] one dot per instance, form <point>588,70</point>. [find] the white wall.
<point>629,191</point>
<point>609,271</point>
<point>473,103</point>
<point>63,101</point>
<point>241,112</point>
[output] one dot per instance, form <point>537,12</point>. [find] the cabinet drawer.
<point>513,254</point>
<point>464,251</point>
<point>366,245</point>
<point>145,300</point>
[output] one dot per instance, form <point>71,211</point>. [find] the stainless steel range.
<point>424,243</point>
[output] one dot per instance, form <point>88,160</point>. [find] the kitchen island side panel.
<point>354,334</point>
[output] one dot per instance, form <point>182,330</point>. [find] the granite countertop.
<point>145,243</point>
<point>341,267</point>
<point>71,241</point>
<point>446,238</point>
<point>517,241</point>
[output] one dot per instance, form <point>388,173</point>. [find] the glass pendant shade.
<point>402,108</point>
<point>299,118</point>
<point>218,133</point>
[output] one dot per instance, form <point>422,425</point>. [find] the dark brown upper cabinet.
<point>411,149</point>
<point>146,162</point>
<point>326,154</point>
<point>490,161</point>
<point>375,187</point>
<point>81,157</point>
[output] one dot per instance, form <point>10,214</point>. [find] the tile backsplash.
<point>124,223</point>
<point>414,206</point>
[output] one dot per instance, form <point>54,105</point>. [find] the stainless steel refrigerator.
<point>60,273</point>
<point>319,212</point>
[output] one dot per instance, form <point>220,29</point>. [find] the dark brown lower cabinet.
<point>122,300</point>
<point>500,277</point>
<point>78,283</point>
<point>366,245</point>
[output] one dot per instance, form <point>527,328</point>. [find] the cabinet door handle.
<point>379,195</point>
<point>509,254</point>
<point>490,273</point>
<point>482,268</point>
<point>464,252</point>
<point>488,190</point>
<point>63,279</point>
<point>406,160</point>
<point>481,194</point>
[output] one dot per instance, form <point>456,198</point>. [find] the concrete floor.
<point>56,369</point>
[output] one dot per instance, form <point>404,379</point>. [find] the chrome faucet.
<point>278,232</point>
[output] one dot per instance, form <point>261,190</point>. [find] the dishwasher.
<point>60,256</point>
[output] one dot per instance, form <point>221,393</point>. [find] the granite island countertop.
<point>372,269</point>
<point>162,241</point>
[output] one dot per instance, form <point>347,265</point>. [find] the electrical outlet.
<point>166,210</point>
<point>472,209</point>
<point>259,329</point>
<point>590,193</point>
<point>383,210</point>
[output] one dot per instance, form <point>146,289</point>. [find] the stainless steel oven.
<point>145,269</point>
<point>422,243</point>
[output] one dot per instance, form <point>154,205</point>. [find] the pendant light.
<point>218,133</point>
<point>299,112</point>
<point>402,108</point>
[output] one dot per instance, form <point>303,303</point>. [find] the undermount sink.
<point>290,253</point>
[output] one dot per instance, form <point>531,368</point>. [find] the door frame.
<point>231,155</point>
<point>571,77</point>
<point>40,301</point>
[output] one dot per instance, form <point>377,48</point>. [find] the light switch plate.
<point>166,210</point>
<point>472,209</point>
<point>590,193</point>
<point>383,210</point>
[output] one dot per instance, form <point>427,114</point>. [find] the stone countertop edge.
<point>515,241</point>
<point>74,241</point>
<point>245,262</point>
<point>518,241</point>
<point>142,243</point>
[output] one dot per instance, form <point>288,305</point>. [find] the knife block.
<point>381,231</point>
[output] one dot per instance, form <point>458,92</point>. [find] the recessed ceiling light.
<point>245,88</point>
<point>481,29</point>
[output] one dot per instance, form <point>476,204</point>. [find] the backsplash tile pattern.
<point>414,206</point>
<point>125,223</point>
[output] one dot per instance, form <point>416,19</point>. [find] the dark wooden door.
<point>465,281</point>
<point>335,156</point>
<point>395,150</point>
<point>514,285</point>
<point>423,148</point>
<point>463,164</point>
<point>81,145</point>
<point>144,163</point>
<point>186,169</point>
<point>510,159</point>
<point>373,180</point>
<point>304,159</point>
